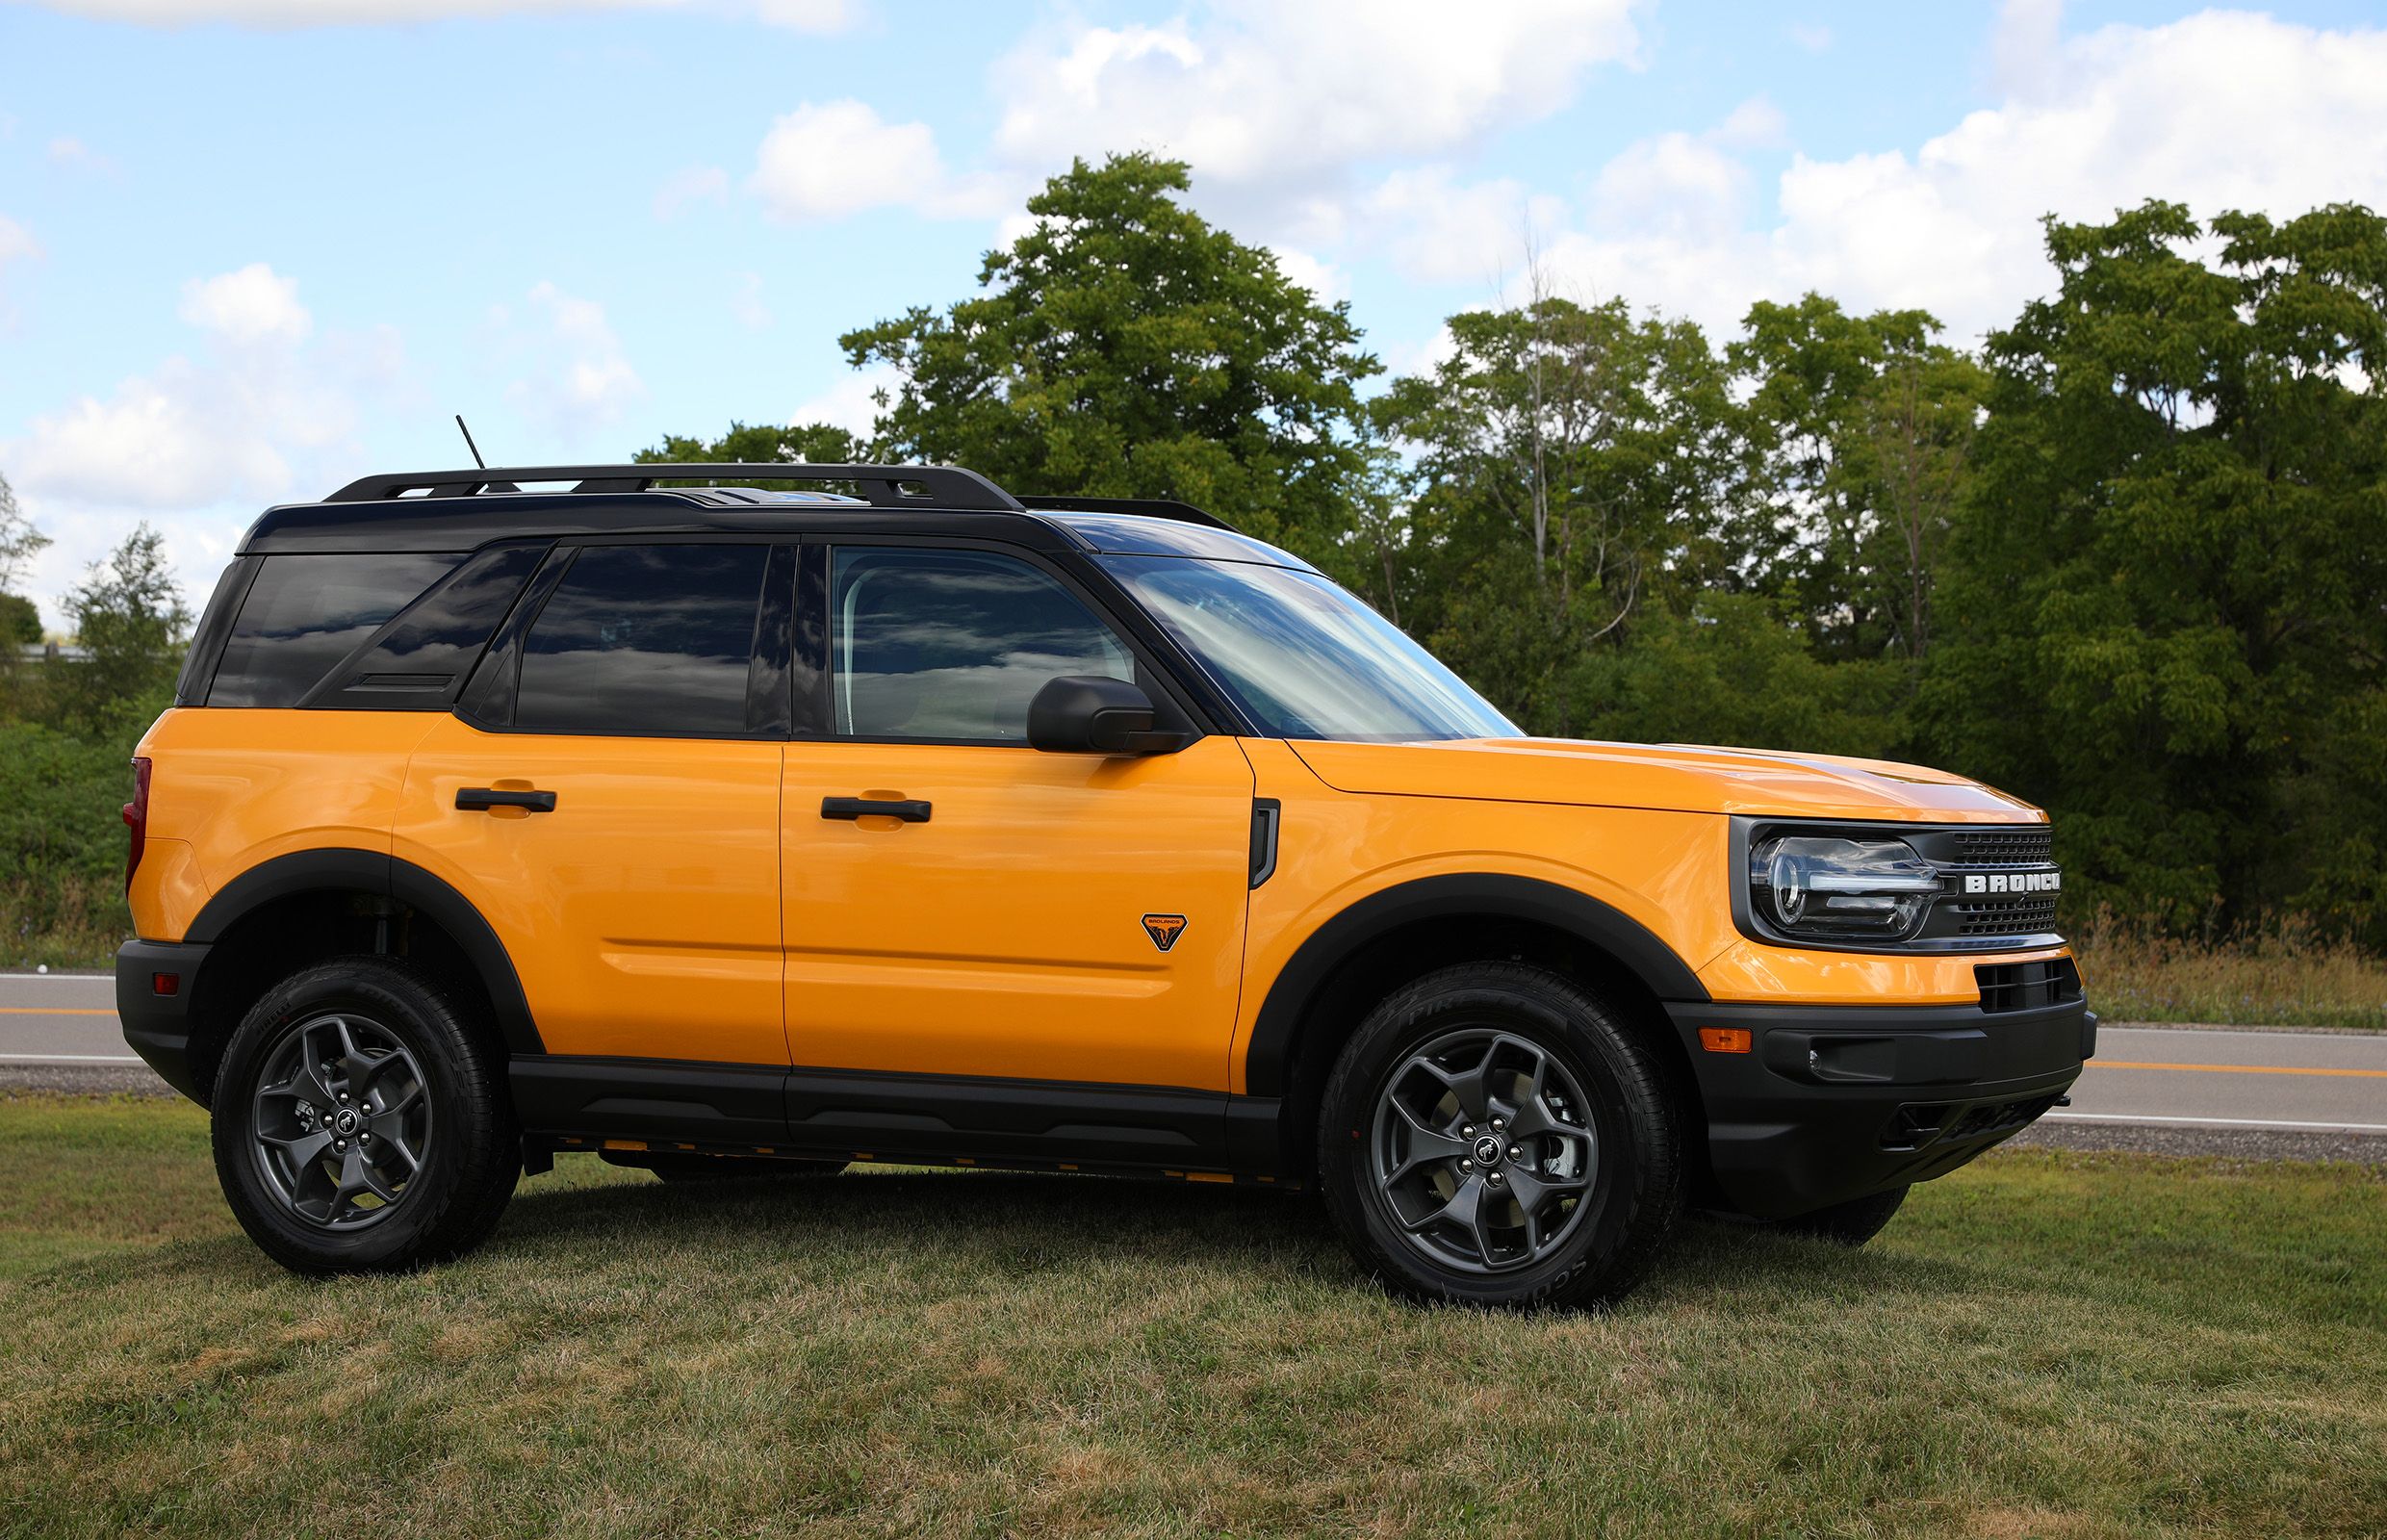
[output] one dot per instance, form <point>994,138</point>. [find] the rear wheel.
<point>1851,1223</point>
<point>1494,1134</point>
<point>361,1123</point>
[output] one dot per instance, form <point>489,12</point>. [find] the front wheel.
<point>1494,1134</point>
<point>361,1122</point>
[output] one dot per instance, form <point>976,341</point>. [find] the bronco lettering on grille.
<point>2013,882</point>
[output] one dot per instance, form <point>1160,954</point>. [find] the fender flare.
<point>379,872</point>
<point>1268,1059</point>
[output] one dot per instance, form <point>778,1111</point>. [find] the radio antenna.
<point>468,444</point>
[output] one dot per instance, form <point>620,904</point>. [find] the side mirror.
<point>1086,713</point>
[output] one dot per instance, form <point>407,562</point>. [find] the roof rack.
<point>941,486</point>
<point>1148,507</point>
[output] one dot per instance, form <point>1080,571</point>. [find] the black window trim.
<point>1172,679</point>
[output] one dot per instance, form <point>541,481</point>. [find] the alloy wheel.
<point>342,1121</point>
<point>1483,1150</point>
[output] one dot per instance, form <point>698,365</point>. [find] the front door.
<point>1016,913</point>
<point>618,822</point>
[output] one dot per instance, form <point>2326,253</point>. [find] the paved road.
<point>2152,1077</point>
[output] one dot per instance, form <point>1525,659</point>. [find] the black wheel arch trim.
<point>379,872</point>
<point>1267,1061</point>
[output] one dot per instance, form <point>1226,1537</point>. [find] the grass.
<point>2278,976</point>
<point>70,923</point>
<point>2044,1344</point>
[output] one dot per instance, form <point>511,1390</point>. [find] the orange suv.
<point>727,831</point>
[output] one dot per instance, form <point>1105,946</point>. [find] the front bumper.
<point>1836,1102</point>
<point>158,1026</point>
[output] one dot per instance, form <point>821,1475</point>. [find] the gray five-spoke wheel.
<point>1483,1150</point>
<point>343,1121</point>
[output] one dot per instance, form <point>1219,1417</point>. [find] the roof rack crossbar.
<point>941,486</point>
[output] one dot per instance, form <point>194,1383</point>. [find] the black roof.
<point>462,509</point>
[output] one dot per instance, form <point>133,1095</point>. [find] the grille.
<point>2026,986</point>
<point>2004,847</point>
<point>2026,915</point>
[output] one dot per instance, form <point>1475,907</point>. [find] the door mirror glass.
<point>1085,713</point>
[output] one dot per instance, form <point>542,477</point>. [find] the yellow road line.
<point>51,1011</point>
<point>2238,1069</point>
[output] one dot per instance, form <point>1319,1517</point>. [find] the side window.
<point>304,614</point>
<point>645,639</point>
<point>954,644</point>
<point>417,662</point>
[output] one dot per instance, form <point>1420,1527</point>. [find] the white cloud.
<point>799,15</point>
<point>695,184</point>
<point>258,411</point>
<point>850,402</point>
<point>253,304</point>
<point>71,153</point>
<point>1814,37</point>
<point>579,378</point>
<point>827,160</point>
<point>1323,279</point>
<point>1267,95</point>
<point>2218,110</point>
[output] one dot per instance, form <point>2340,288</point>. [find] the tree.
<point>1125,347</point>
<point>1861,428</point>
<point>2162,616</point>
<point>1572,462</point>
<point>761,444</point>
<point>128,614</point>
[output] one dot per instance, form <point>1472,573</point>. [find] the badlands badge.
<point>1164,929</point>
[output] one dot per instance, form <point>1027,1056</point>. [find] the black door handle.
<point>483,798</point>
<point>911,812</point>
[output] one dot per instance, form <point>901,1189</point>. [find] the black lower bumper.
<point>1835,1102</point>
<point>158,1026</point>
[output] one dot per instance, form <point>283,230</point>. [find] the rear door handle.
<point>911,812</point>
<point>481,798</point>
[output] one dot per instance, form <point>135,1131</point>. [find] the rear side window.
<point>417,662</point>
<point>641,640</point>
<point>305,613</point>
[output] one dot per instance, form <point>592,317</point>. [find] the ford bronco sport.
<point>723,830</point>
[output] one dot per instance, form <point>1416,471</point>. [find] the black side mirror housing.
<point>1088,714</point>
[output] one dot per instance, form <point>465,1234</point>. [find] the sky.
<point>251,250</point>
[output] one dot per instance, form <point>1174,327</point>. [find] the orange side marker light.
<point>1724,1040</point>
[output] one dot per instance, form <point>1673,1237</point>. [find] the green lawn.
<point>2044,1345</point>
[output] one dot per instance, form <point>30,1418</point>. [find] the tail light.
<point>136,819</point>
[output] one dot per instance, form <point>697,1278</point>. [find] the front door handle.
<point>481,798</point>
<point>911,812</point>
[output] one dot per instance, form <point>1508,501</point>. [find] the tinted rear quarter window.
<point>642,640</point>
<point>305,613</point>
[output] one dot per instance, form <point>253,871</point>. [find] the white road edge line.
<point>69,1058</point>
<point>2213,1123</point>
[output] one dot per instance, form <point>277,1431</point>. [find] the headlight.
<point>1830,887</point>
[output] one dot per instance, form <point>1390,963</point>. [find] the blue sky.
<point>250,248</point>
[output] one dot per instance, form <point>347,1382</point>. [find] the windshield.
<point>1302,658</point>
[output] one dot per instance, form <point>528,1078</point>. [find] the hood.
<point>1674,777</point>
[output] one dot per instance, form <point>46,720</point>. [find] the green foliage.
<point>129,616</point>
<point>20,620</point>
<point>761,444</point>
<point>2163,614</point>
<point>1125,347</point>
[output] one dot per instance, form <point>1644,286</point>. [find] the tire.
<point>688,1168</point>
<point>1851,1223</point>
<point>1398,1118</point>
<point>418,1083</point>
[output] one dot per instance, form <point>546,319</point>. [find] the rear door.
<point>607,796</point>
